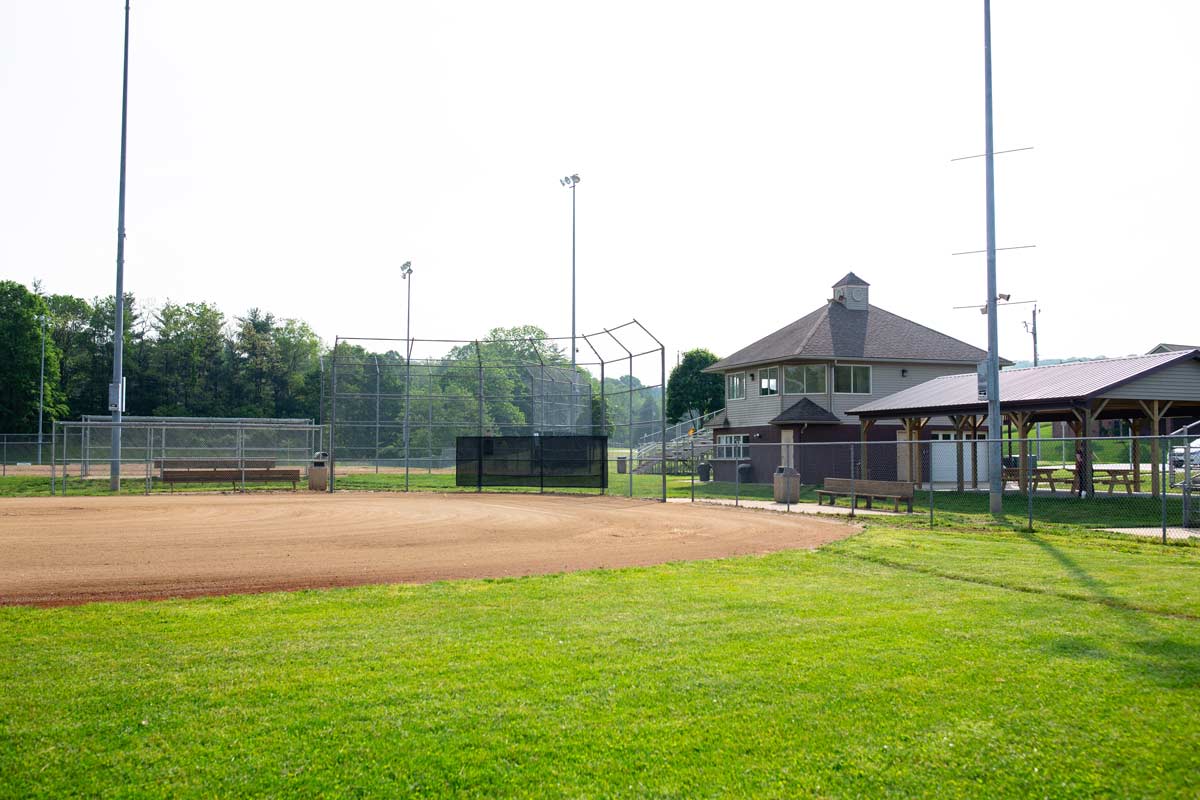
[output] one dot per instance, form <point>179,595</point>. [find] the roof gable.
<point>851,280</point>
<point>836,332</point>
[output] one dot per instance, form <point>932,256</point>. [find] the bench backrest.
<point>213,463</point>
<point>229,475</point>
<point>892,488</point>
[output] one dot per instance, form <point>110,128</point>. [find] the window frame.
<point>762,380</point>
<point>804,369</point>
<point>727,450</point>
<point>729,376</point>
<point>852,367</point>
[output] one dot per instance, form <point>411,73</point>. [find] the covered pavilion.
<point>1142,390</point>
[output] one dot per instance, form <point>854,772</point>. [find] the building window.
<point>735,386</point>
<point>732,447</point>
<point>808,379</point>
<point>768,380</point>
<point>849,379</point>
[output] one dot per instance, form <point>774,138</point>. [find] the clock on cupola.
<point>851,291</point>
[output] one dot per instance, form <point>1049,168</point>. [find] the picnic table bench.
<point>1038,475</point>
<point>870,490</point>
<point>232,476</point>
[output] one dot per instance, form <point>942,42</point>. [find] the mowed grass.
<point>894,663</point>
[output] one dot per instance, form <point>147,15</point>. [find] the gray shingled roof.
<point>834,331</point>
<point>851,280</point>
<point>1077,380</point>
<point>805,411</point>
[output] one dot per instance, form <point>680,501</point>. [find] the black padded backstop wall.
<point>546,462</point>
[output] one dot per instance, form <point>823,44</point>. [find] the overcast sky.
<point>735,161</point>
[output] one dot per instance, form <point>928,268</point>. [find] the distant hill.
<point>1045,362</point>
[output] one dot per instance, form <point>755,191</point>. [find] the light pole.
<point>42,390</point>
<point>116,394</point>
<point>406,275</point>
<point>571,181</point>
<point>995,479</point>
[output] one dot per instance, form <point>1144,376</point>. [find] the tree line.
<point>190,359</point>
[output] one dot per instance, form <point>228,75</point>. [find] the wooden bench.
<point>231,476</point>
<point>871,490</point>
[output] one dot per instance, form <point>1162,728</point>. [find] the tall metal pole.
<point>114,392</point>
<point>42,390</point>
<point>573,185</point>
<point>995,483</point>
<point>406,273</point>
<point>1035,343</point>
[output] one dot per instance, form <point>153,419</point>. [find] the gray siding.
<point>885,380</point>
<point>1176,382</point>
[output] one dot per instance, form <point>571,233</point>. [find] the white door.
<point>945,459</point>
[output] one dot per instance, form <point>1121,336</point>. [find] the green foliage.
<point>691,389</point>
<point>21,312</point>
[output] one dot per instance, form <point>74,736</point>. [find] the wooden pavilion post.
<point>1022,419</point>
<point>960,423</point>
<point>864,426</point>
<point>1155,411</point>
<point>1135,454</point>
<point>974,451</point>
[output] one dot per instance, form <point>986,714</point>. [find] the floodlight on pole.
<point>116,391</point>
<point>405,275</point>
<point>571,181</point>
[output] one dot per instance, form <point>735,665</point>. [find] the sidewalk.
<point>795,508</point>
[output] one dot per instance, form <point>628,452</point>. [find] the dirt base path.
<point>72,550</point>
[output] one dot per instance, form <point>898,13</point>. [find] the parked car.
<point>1179,454</point>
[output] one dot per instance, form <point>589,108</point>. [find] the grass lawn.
<point>897,662</point>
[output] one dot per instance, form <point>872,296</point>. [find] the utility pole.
<point>116,391</point>
<point>1031,328</point>
<point>995,455</point>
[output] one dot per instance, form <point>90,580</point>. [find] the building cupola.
<point>852,292</point>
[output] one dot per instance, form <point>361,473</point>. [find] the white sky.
<point>736,160</point>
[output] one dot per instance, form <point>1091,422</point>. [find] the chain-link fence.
<point>1139,485</point>
<point>168,453</point>
<point>404,411</point>
<point>24,454</point>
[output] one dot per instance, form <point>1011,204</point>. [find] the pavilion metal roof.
<point>1031,386</point>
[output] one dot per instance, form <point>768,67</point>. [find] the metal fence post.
<point>4,461</point>
<point>479,473</point>
<point>53,456</point>
<point>929,460</point>
<point>692,468</point>
<point>1030,482</point>
<point>1164,485</point>
<point>853,488</point>
<point>737,483</point>
<point>149,455</point>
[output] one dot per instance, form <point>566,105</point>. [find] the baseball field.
<point>428,645</point>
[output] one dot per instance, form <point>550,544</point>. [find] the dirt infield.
<point>72,550</point>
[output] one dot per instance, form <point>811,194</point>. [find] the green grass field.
<point>895,663</point>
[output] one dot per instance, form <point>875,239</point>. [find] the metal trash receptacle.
<point>787,485</point>
<point>318,473</point>
<point>704,472</point>
<point>745,473</point>
<point>622,465</point>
